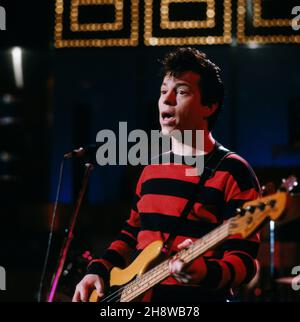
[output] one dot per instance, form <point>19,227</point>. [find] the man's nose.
<point>170,98</point>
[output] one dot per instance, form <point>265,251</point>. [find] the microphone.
<point>82,151</point>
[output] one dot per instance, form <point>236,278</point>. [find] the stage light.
<point>253,45</point>
<point>16,53</point>
<point>258,21</point>
<point>165,23</point>
<point>132,40</point>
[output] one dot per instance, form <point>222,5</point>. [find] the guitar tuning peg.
<point>272,203</point>
<point>240,211</point>
<point>261,206</point>
<point>251,209</point>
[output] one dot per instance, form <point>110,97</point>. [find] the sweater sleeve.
<point>235,262</point>
<point>120,250</point>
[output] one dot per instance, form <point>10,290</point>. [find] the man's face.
<point>180,105</point>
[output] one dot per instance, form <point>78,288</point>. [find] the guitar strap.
<point>211,165</point>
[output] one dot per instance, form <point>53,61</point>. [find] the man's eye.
<point>163,91</point>
<point>182,92</point>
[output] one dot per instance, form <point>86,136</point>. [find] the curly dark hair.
<point>210,84</point>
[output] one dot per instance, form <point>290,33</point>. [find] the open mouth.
<point>166,115</point>
<point>168,118</point>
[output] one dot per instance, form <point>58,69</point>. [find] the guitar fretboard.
<point>161,271</point>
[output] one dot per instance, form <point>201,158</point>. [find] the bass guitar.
<point>140,275</point>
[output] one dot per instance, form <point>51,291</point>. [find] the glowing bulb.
<point>16,53</point>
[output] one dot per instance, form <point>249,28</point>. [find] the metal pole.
<point>69,236</point>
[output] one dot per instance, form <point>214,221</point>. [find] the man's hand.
<point>187,273</point>
<point>177,266</point>
<point>86,286</point>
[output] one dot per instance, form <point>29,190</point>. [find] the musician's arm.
<point>117,254</point>
<point>237,264</point>
<point>120,250</point>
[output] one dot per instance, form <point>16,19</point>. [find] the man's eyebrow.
<point>178,84</point>
<point>182,84</point>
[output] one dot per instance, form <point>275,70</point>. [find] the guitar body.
<point>247,220</point>
<point>139,266</point>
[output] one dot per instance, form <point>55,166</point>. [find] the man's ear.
<point>210,109</point>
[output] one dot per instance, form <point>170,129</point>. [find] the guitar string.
<point>186,256</point>
<point>154,276</point>
<point>119,291</point>
<point>220,231</point>
<point>208,239</point>
<point>196,245</point>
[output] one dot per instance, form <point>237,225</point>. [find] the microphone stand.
<point>69,236</point>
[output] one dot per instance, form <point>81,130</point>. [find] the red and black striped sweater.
<point>162,192</point>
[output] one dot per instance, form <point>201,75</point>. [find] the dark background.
<point>69,94</point>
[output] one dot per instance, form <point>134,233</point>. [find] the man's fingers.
<point>84,295</point>
<point>186,243</point>
<point>85,287</point>
<point>80,295</point>
<point>99,289</point>
<point>76,297</point>
<point>175,266</point>
<point>182,277</point>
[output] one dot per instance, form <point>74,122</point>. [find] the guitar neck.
<point>161,271</point>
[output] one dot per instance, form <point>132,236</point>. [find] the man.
<point>191,98</point>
